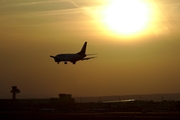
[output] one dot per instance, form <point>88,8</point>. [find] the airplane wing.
<point>88,58</point>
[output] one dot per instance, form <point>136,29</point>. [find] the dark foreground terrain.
<point>55,115</point>
<point>65,108</point>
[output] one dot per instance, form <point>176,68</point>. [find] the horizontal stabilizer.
<point>91,54</point>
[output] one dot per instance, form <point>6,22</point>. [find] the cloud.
<point>21,7</point>
<point>33,8</point>
<point>46,2</point>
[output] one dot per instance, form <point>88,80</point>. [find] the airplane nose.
<point>52,56</point>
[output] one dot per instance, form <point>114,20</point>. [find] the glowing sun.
<point>127,17</point>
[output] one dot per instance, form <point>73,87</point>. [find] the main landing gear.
<point>74,62</point>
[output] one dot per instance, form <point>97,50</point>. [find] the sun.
<point>126,17</point>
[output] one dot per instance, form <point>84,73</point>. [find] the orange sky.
<point>32,31</point>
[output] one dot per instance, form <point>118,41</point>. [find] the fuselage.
<point>69,57</point>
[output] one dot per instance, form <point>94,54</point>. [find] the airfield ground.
<point>55,115</point>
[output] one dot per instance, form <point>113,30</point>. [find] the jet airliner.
<point>73,58</point>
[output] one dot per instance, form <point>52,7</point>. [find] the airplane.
<point>73,58</point>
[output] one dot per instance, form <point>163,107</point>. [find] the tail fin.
<point>83,50</point>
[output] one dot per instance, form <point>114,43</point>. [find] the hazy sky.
<point>32,30</point>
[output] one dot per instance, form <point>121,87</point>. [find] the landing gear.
<point>73,62</point>
<point>65,62</point>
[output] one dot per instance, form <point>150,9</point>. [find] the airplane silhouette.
<point>73,58</point>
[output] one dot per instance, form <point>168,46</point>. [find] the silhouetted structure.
<point>65,96</point>
<point>14,91</point>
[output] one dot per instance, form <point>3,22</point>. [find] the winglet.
<point>83,50</point>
